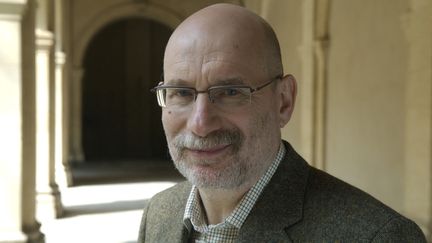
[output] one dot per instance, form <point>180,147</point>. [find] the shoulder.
<point>171,198</point>
<point>174,192</point>
<point>331,199</point>
<point>343,210</point>
<point>164,213</point>
<point>335,210</point>
<point>399,229</point>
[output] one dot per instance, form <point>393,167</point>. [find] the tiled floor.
<point>99,211</point>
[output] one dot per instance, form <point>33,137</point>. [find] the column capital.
<point>60,58</point>
<point>44,39</point>
<point>12,9</point>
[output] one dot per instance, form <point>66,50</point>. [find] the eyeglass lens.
<point>182,97</point>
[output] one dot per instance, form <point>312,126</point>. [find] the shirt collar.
<point>194,216</point>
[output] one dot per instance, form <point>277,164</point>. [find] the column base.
<point>49,204</point>
<point>64,175</point>
<point>33,233</point>
<point>76,156</point>
<point>68,175</point>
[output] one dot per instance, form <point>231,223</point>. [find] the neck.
<point>220,203</point>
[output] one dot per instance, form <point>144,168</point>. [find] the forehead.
<point>201,59</point>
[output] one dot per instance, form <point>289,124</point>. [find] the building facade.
<point>75,75</point>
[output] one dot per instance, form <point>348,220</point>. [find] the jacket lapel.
<point>280,205</point>
<point>167,219</point>
<point>177,232</point>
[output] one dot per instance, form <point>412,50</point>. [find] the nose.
<point>203,119</point>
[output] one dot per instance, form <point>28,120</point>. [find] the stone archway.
<point>121,118</point>
<point>103,18</point>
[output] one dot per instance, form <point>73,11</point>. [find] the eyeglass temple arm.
<point>153,90</point>
<point>269,82</point>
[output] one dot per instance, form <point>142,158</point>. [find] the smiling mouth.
<point>208,152</point>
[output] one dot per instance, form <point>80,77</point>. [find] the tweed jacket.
<point>300,204</point>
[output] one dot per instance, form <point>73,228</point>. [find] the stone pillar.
<point>17,123</point>
<point>76,151</point>
<point>63,173</point>
<point>418,119</point>
<point>48,195</point>
<point>320,64</point>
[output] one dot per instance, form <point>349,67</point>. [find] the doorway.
<point>121,118</point>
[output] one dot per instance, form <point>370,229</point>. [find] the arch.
<point>116,102</point>
<point>104,17</point>
<point>108,15</point>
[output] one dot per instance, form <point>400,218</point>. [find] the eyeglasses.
<point>179,97</point>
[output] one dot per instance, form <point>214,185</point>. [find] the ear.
<point>287,93</point>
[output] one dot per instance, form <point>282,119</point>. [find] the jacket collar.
<point>281,203</point>
<point>279,207</point>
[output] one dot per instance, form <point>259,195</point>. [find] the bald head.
<point>226,137</point>
<point>226,28</point>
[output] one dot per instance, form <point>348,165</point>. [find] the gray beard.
<point>247,161</point>
<point>229,177</point>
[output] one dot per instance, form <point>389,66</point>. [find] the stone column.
<point>418,119</point>
<point>48,195</point>
<point>63,173</point>
<point>17,123</point>
<point>320,65</point>
<point>74,78</point>
<point>76,151</point>
<point>298,58</point>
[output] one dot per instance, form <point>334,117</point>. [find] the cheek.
<point>241,122</point>
<point>172,123</point>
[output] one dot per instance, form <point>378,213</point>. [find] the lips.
<point>209,149</point>
<point>208,152</point>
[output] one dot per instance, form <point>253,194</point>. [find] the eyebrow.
<point>177,82</point>
<point>218,82</point>
<point>229,81</point>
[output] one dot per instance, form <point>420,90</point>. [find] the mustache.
<point>216,138</point>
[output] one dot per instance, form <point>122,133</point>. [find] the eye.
<point>225,93</point>
<point>179,93</point>
<point>231,92</point>
<point>230,95</point>
<point>179,96</point>
<point>184,92</point>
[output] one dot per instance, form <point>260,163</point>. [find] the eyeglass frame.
<point>196,92</point>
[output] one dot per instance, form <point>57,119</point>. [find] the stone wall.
<point>364,110</point>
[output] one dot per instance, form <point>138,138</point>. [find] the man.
<point>224,100</point>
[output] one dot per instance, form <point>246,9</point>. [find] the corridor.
<point>106,204</point>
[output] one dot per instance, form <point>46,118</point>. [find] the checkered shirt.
<point>226,231</point>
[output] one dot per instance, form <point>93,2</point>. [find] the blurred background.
<point>81,142</point>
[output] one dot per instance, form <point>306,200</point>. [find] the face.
<point>212,147</point>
